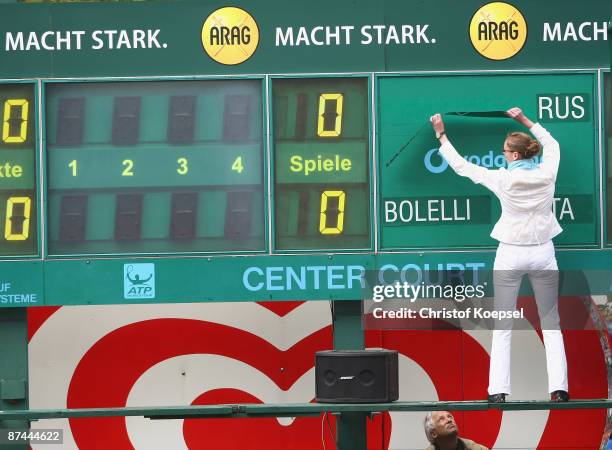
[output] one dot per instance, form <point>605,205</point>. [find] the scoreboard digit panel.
<point>321,162</point>
<point>155,167</point>
<point>18,199</point>
<point>424,204</point>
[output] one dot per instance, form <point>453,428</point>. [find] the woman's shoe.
<point>496,398</point>
<point>559,396</point>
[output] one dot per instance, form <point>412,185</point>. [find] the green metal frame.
<point>295,409</point>
<point>351,431</point>
<point>605,156</point>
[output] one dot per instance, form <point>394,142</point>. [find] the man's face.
<point>444,424</point>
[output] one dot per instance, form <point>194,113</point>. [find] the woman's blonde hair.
<point>523,144</point>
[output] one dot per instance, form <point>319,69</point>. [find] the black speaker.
<point>356,376</point>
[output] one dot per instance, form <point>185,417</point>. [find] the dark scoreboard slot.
<point>281,103</point>
<point>238,214</point>
<point>126,120</point>
<point>128,217</point>
<point>236,118</point>
<point>184,215</point>
<point>71,113</point>
<point>73,217</point>
<point>300,117</point>
<point>181,119</point>
<point>303,213</point>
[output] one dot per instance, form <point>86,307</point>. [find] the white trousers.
<point>538,262</point>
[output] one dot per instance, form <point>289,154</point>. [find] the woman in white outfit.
<point>524,231</point>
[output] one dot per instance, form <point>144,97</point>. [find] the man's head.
<point>439,424</point>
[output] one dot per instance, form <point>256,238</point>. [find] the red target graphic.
<point>135,351</point>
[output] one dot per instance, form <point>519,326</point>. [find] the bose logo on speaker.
<point>346,378</point>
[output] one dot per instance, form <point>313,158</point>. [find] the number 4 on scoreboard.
<point>237,166</point>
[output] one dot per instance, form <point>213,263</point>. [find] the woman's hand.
<point>517,114</point>
<point>437,123</point>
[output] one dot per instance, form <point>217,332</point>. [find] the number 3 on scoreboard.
<point>331,219</point>
<point>17,210</point>
<point>10,107</point>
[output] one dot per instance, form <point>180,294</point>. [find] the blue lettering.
<point>383,269</point>
<point>475,267</point>
<point>417,270</point>
<point>291,275</point>
<point>316,270</point>
<point>270,278</point>
<point>500,161</point>
<point>331,276</point>
<point>355,273</point>
<point>489,160</point>
<point>245,279</point>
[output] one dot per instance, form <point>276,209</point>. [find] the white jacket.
<point>526,196</point>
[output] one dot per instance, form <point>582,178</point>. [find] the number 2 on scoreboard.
<point>128,166</point>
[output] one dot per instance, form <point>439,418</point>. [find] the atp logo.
<point>230,35</point>
<point>498,31</point>
<point>138,281</point>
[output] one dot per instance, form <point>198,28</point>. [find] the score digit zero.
<point>17,218</point>
<point>15,121</point>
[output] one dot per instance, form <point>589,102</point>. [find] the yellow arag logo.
<point>498,31</point>
<point>230,35</point>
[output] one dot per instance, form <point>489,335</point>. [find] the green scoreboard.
<point>155,167</point>
<point>322,163</point>
<point>286,156</point>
